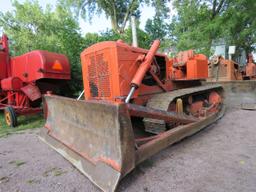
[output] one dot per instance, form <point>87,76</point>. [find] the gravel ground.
<point>220,158</point>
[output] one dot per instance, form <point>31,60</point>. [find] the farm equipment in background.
<point>221,69</point>
<point>250,69</point>
<point>135,105</point>
<point>238,82</point>
<point>230,63</point>
<point>25,78</point>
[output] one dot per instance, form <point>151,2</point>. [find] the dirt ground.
<point>220,158</point>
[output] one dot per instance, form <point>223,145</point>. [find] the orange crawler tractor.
<point>137,102</point>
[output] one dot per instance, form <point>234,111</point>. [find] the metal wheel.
<point>10,117</point>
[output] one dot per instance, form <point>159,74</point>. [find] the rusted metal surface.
<point>174,135</point>
<point>140,111</point>
<point>32,92</point>
<point>250,69</point>
<point>221,69</point>
<point>238,92</point>
<point>96,137</point>
<point>162,101</point>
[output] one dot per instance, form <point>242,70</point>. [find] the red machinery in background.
<point>25,78</point>
<point>250,68</point>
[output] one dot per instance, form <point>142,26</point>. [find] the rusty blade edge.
<point>103,159</point>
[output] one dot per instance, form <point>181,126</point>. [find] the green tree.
<point>240,24</point>
<point>196,23</point>
<point>110,35</point>
<point>119,11</point>
<point>199,22</point>
<point>31,27</point>
<point>156,28</point>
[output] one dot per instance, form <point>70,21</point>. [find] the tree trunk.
<point>114,24</point>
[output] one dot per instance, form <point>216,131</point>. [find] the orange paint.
<point>47,127</point>
<point>250,68</point>
<point>189,66</point>
<point>214,98</point>
<point>196,107</point>
<point>145,65</point>
<point>110,162</point>
<point>109,68</point>
<point>57,65</point>
<point>224,70</point>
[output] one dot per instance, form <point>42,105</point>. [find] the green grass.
<point>33,181</point>
<point>29,122</point>
<point>18,163</point>
<point>54,171</point>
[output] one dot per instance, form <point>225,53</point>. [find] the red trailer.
<point>25,78</point>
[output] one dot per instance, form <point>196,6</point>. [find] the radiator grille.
<point>99,76</point>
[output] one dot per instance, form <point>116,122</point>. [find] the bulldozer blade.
<point>97,138</point>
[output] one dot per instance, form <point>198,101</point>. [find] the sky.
<point>99,23</point>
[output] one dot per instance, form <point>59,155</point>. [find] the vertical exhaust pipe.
<point>134,32</point>
<point>134,44</point>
